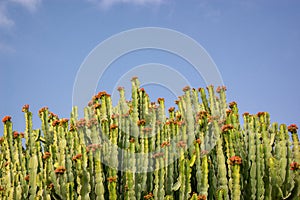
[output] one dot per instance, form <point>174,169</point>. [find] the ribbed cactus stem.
<point>33,163</point>
<point>236,161</point>
<point>200,151</point>
<point>204,99</point>
<point>190,121</point>
<point>99,187</point>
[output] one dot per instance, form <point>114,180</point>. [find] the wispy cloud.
<point>30,5</point>
<point>4,48</point>
<point>109,3</point>
<point>5,21</point>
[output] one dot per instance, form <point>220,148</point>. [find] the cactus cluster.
<point>138,150</point>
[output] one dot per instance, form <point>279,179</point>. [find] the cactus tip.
<point>15,134</point>
<point>6,119</point>
<point>235,160</point>
<point>134,78</point>
<point>43,110</point>
<point>292,128</point>
<point>259,114</point>
<point>227,127</point>
<point>60,170</point>
<point>76,157</point>
<point>160,100</point>
<point>141,122</point>
<point>25,108</point>
<point>186,88</point>
<point>1,140</point>
<point>171,109</point>
<point>294,166</point>
<point>46,155</point>
<point>232,104</point>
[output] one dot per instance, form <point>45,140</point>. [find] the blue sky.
<point>255,45</point>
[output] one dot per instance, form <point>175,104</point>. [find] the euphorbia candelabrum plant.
<point>198,151</point>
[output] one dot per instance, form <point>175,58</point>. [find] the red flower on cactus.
<point>6,118</point>
<point>27,178</point>
<point>52,116</point>
<point>63,121</point>
<point>101,94</point>
<point>55,122</point>
<point>141,122</point>
<point>72,127</point>
<point>113,126</point>
<point>90,103</point>
<point>120,88</point>
<point>203,113</point>
<point>227,127</point>
<point>15,134</point>
<point>294,166</point>
<point>178,116</point>
<point>132,140</point>
<point>160,100</point>
<point>232,104</point>
<point>221,88</point>
<point>148,196</point>
<point>198,141</point>
<point>93,147</point>
<point>201,90</point>
<point>25,108</point>
<point>235,160</point>
<point>114,116</point>
<point>228,111</point>
<point>181,144</point>
<point>157,155</point>
<point>1,140</point>
<point>76,157</point>
<point>42,110</point>
<point>292,128</point>
<point>112,179</point>
<point>245,114</point>
<point>180,123</point>
<point>171,109</point>
<point>165,143</point>
<point>201,197</point>
<point>186,89</point>
<point>50,186</point>
<point>97,106</point>
<point>46,155</point>
<point>81,123</point>
<point>134,78</point>
<point>60,170</point>
<point>92,122</point>
<point>259,114</point>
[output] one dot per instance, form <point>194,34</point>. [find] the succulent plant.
<point>136,151</point>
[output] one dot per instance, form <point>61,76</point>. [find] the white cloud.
<point>5,21</point>
<point>4,48</point>
<point>30,5</point>
<point>109,3</point>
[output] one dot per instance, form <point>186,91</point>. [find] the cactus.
<point>136,150</point>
